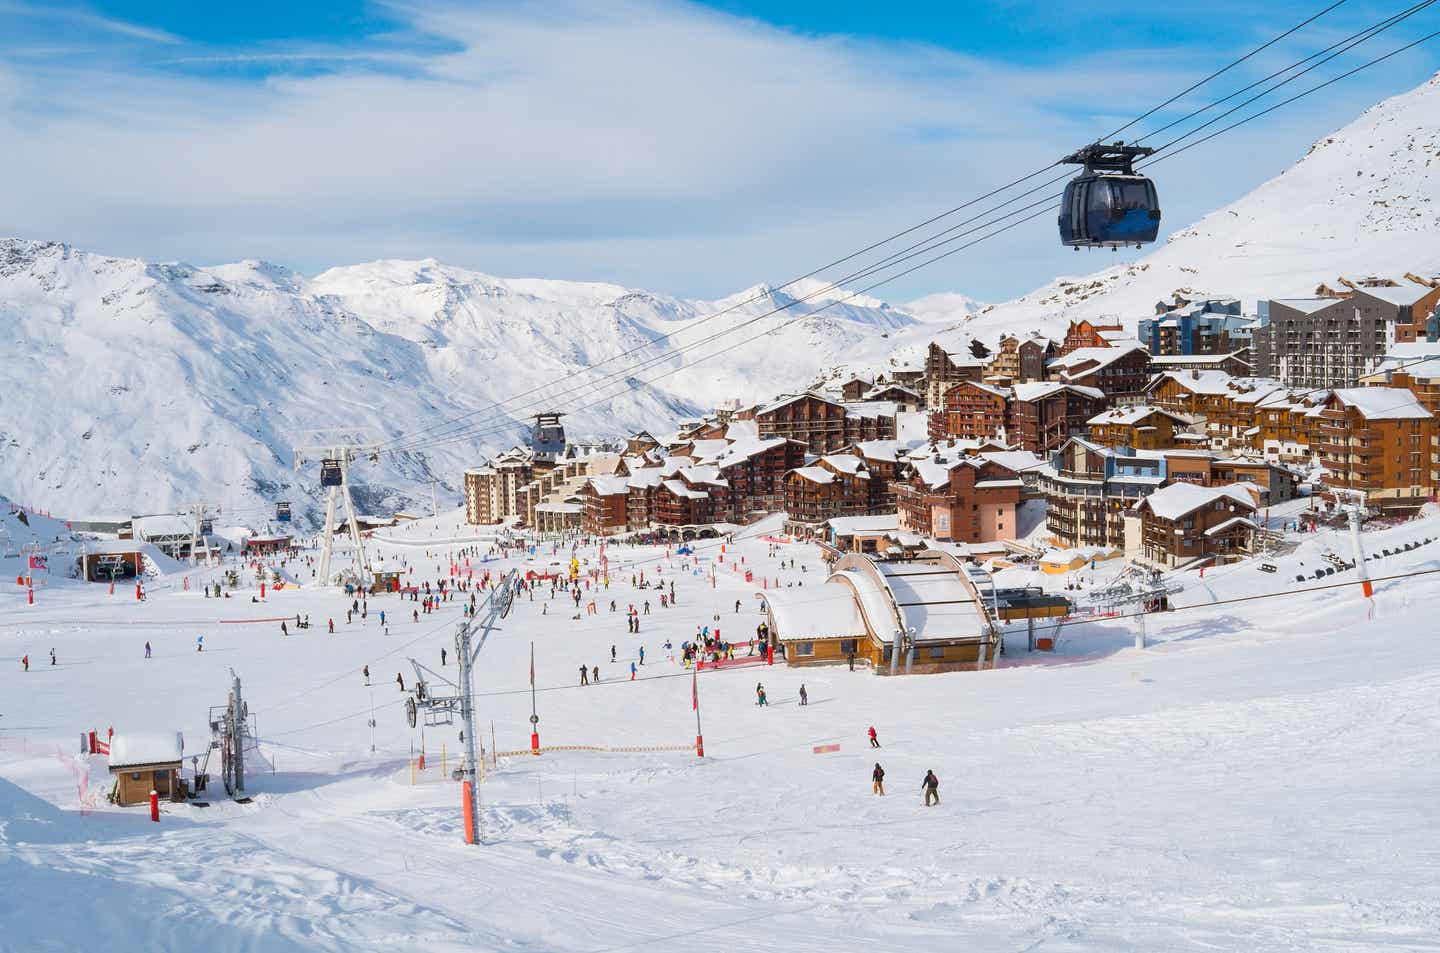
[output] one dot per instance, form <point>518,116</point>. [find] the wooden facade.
<point>970,410</point>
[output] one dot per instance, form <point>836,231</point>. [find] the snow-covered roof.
<point>566,508</point>
<point>1403,295</point>
<point>873,408</point>
<point>1382,403</point>
<point>1179,499</point>
<point>137,748</point>
<point>1102,356</point>
<point>1128,416</point>
<point>847,525</point>
<point>149,527</point>
<point>788,399</point>
<point>1187,360</point>
<point>815,474</point>
<point>998,484</point>
<point>1305,305</point>
<point>1228,524</point>
<point>1198,381</point>
<point>879,389</point>
<point>886,450</point>
<point>742,430</point>
<point>1018,460</point>
<point>1035,390</point>
<point>843,462</point>
<point>828,611</point>
<point>679,489</point>
<point>709,448</point>
<point>610,486</point>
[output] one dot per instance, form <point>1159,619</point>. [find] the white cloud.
<point>651,143</point>
<point>89,19</point>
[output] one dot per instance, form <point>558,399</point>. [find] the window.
<point>804,648</point>
<point>847,645</point>
<point>937,652</point>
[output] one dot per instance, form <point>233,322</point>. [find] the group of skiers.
<point>930,784</point>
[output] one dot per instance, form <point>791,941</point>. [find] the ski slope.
<point>1258,778</point>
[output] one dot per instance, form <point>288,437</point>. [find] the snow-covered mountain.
<point>133,386</point>
<point>1365,200</point>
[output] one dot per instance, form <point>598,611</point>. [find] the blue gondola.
<point>1109,205</point>
<point>282,512</point>
<point>330,474</point>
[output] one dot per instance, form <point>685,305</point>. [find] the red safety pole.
<point>137,591</point>
<point>695,703</point>
<point>262,588</point>
<point>770,655</point>
<point>30,596</point>
<point>154,806</point>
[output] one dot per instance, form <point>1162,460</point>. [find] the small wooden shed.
<point>141,763</point>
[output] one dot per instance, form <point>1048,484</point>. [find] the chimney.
<point>1194,374</point>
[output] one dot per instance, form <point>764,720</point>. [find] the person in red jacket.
<point>874,741</point>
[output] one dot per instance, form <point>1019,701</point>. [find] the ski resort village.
<point>396,606</point>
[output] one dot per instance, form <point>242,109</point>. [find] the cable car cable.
<point>496,405</point>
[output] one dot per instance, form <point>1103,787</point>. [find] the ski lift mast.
<point>440,710</point>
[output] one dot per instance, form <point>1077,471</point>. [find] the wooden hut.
<point>141,763</point>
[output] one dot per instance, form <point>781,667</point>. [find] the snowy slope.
<point>1365,200</point>
<point>138,385</point>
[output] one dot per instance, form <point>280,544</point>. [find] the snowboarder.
<point>931,787</point>
<point>584,675</point>
<point>874,741</point>
<point>878,777</point>
<point>804,698</point>
<point>147,649</point>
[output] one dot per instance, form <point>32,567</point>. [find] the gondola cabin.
<point>1108,205</point>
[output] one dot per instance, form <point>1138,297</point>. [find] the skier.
<point>596,675</point>
<point>382,616</point>
<point>442,658</point>
<point>612,653</point>
<point>332,626</point>
<point>366,672</point>
<point>200,643</point>
<point>852,661</point>
<point>737,606</point>
<point>764,701</point>
<point>400,680</point>
<point>584,675</point>
<point>283,630</point>
<point>26,662</point>
<point>632,671</point>
<point>147,649</point>
<point>804,698</point>
<point>874,741</point>
<point>878,777</point>
<point>642,655</point>
<point>931,787</point>
<point>52,656</point>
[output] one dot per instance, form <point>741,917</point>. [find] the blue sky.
<point>687,148</point>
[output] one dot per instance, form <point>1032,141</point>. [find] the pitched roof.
<point>1382,403</point>
<point>1180,499</point>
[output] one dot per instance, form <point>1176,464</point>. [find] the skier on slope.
<point>874,740</point>
<point>878,778</point>
<point>931,787</point>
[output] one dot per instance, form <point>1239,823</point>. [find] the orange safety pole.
<point>154,806</point>
<point>468,799</point>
